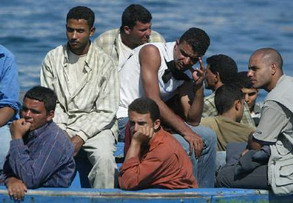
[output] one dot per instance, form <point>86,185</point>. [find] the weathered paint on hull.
<point>56,195</point>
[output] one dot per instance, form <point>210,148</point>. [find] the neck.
<point>127,41</point>
<point>273,83</point>
<point>231,116</point>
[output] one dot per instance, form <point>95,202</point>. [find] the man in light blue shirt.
<point>9,93</point>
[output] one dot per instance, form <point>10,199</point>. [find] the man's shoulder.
<point>4,52</point>
<point>57,134</point>
<point>57,50</point>
<point>156,37</point>
<point>107,36</point>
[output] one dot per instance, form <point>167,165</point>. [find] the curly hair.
<point>197,39</point>
<point>81,12</point>
<point>225,66</point>
<point>134,13</point>
<point>43,94</point>
<point>145,105</point>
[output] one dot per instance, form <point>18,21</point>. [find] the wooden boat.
<point>78,194</point>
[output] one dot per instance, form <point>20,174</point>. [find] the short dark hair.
<point>197,39</point>
<point>243,80</point>
<point>134,13</point>
<point>145,105</point>
<point>225,66</point>
<point>82,12</point>
<point>226,95</point>
<point>43,94</point>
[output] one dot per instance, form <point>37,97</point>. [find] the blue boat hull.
<point>56,195</point>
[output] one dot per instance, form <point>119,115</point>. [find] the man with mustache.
<point>41,154</point>
<point>159,71</point>
<point>86,82</point>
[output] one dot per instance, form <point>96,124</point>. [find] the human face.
<point>210,79</point>
<point>138,120</point>
<point>250,95</point>
<point>184,56</point>
<point>78,35</point>
<point>139,34</point>
<point>259,72</point>
<point>35,113</point>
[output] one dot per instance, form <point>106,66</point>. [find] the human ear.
<point>157,125</point>
<point>126,30</point>
<point>50,115</point>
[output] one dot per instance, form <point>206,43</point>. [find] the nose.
<point>27,114</point>
<point>148,32</point>
<point>246,97</point>
<point>74,34</point>
<point>187,61</point>
<point>249,73</point>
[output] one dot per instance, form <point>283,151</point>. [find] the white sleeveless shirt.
<point>131,86</point>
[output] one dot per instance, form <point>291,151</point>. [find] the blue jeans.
<point>5,138</point>
<point>204,167</point>
<point>121,128</point>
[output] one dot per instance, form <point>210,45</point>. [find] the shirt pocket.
<point>284,172</point>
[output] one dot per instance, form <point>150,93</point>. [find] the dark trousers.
<point>257,179</point>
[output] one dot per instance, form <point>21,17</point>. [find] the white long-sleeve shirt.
<point>92,106</point>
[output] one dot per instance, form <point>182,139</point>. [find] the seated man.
<point>9,104</point>
<point>155,158</point>
<point>274,134</point>
<point>156,71</point>
<point>41,154</point>
<point>229,103</point>
<point>250,95</point>
<point>135,30</point>
<point>221,69</point>
<point>230,106</point>
<point>86,82</point>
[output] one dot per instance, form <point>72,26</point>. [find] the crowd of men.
<point>131,86</point>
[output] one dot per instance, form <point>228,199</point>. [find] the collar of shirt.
<point>88,59</point>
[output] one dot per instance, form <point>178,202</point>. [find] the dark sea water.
<point>30,28</point>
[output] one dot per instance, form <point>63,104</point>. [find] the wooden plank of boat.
<point>148,195</point>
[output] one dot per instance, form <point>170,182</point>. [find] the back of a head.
<point>43,94</point>
<point>145,105</point>
<point>81,12</point>
<point>134,13</point>
<point>225,66</point>
<point>197,39</point>
<point>225,96</point>
<point>243,80</point>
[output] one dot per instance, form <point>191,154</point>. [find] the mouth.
<point>73,44</point>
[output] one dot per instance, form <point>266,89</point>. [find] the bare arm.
<point>6,113</point>
<point>150,62</point>
<point>192,94</point>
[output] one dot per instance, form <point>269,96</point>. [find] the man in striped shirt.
<point>41,154</point>
<point>86,82</point>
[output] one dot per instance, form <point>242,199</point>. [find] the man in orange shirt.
<point>154,159</point>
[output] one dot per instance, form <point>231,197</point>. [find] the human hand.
<point>198,75</point>
<point>19,128</point>
<point>195,144</point>
<point>16,188</point>
<point>143,134</point>
<point>244,152</point>
<point>77,142</point>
